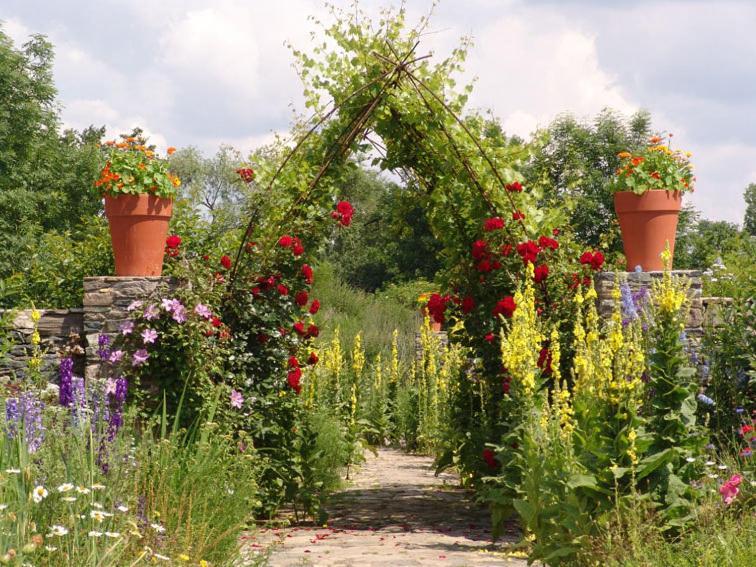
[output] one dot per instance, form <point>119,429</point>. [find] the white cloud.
<point>17,31</point>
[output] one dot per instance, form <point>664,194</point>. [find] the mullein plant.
<point>623,432</point>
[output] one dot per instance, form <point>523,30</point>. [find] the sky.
<point>211,72</point>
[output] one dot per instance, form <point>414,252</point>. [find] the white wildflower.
<point>158,528</point>
<point>98,487</point>
<point>13,471</point>
<point>122,508</point>
<point>66,487</point>
<point>112,534</point>
<point>94,533</point>
<point>69,499</point>
<point>82,490</point>
<point>39,494</point>
<point>57,531</point>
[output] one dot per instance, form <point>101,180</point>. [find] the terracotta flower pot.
<point>648,222</point>
<point>138,229</point>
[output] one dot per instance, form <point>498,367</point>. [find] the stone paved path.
<point>395,513</point>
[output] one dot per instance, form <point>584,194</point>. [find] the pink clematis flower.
<point>127,328</point>
<point>151,312</point>
<point>149,336</point>
<point>140,357</point>
<point>203,311</point>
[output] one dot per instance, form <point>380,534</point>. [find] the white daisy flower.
<point>709,463</point>
<point>690,459</point>
<point>3,507</point>
<point>722,467</point>
<point>158,528</point>
<point>69,499</point>
<point>122,508</point>
<point>66,487</point>
<point>51,548</point>
<point>112,534</point>
<point>39,494</point>
<point>98,487</point>
<point>82,490</point>
<point>161,557</point>
<point>711,475</point>
<point>94,533</point>
<point>13,471</point>
<point>99,515</point>
<point>97,505</point>
<point>57,531</point>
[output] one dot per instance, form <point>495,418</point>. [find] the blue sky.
<point>206,72</point>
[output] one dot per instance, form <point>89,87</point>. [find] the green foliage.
<point>749,220</point>
<point>654,168</point>
<point>700,242</point>
<point>54,267</point>
<point>574,161</point>
<point>45,175</point>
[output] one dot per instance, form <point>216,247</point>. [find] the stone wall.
<point>106,300</point>
<point>605,282</point>
<point>60,330</point>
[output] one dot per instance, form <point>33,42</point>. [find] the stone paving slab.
<point>396,513</point>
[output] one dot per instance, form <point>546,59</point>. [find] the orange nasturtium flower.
<point>638,160</point>
<point>655,140</point>
<point>624,155</point>
<point>171,151</point>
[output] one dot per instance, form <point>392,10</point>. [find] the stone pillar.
<point>105,301</point>
<point>605,282</point>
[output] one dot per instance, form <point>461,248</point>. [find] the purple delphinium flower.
<point>127,328</point>
<point>236,399</point>
<point>739,410</point>
<point>12,415</point>
<point>151,312</point>
<point>149,336</point>
<point>116,356</point>
<point>179,314</point>
<point>79,405</point>
<point>140,357</point>
<point>65,386</point>
<point>203,311</point>
<point>103,342</point>
<point>134,305</point>
<point>34,431</point>
<point>704,399</point>
<point>629,310</point>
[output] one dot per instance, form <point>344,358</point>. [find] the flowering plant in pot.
<point>138,189</point>
<point>648,188</point>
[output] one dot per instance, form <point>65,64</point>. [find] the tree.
<point>749,221</point>
<point>46,176</point>
<point>700,242</point>
<point>573,162</point>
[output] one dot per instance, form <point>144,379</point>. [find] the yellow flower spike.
<point>35,315</point>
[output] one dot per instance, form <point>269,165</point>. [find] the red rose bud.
<point>517,215</point>
<point>299,328</point>
<point>479,249</point>
<point>490,458</point>
<point>313,331</point>
<point>225,262</point>
<point>489,337</point>
<point>313,358</point>
<point>301,298</point>
<point>484,266</point>
<point>216,322</point>
<point>506,250</point>
<point>255,291</point>
<point>314,307</point>
<point>173,241</point>
<point>285,241</point>
<point>293,362</point>
<point>282,289</point>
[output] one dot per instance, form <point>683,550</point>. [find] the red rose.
<point>468,304</point>
<point>297,248</point>
<point>314,307</point>
<point>225,262</point>
<point>301,298</point>
<point>586,257</point>
<point>343,213</point>
<point>307,273</point>
<point>437,307</point>
<point>489,337</point>
<point>313,331</point>
<point>479,249</point>
<point>517,215</point>
<point>293,379</point>
<point>515,187</point>
<point>541,273</point>
<point>313,358</point>
<point>282,289</point>
<point>285,241</point>
<point>216,322</point>
<point>299,328</point>
<point>490,458</point>
<point>505,307</point>
<point>505,385</point>
<point>293,362</point>
<point>262,338</point>
<point>173,241</point>
<point>255,291</point>
<point>555,232</point>
<point>597,261</point>
<point>492,224</point>
<point>506,250</point>
<point>528,251</point>
<point>484,266</point>
<point>546,242</point>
